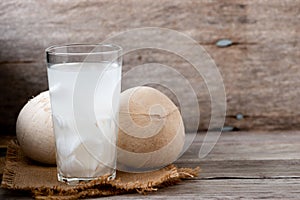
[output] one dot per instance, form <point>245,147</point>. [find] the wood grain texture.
<point>226,189</point>
<point>247,155</point>
<point>260,70</point>
<point>241,145</point>
<point>208,189</point>
<point>243,165</point>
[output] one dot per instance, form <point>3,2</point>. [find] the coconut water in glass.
<point>84,84</point>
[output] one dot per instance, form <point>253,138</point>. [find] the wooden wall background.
<point>261,69</point>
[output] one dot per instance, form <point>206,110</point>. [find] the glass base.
<point>77,180</point>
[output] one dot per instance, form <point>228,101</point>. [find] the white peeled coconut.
<point>151,130</point>
<point>35,131</point>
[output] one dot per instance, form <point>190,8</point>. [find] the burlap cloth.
<point>20,173</point>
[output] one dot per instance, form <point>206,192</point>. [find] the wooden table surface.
<point>246,165</point>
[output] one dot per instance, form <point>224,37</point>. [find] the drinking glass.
<point>84,84</point>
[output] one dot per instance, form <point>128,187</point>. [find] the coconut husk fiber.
<point>21,173</point>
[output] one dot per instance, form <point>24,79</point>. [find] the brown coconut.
<point>151,132</point>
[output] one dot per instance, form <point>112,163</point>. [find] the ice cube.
<point>66,140</point>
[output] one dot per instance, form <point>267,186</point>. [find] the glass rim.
<point>52,49</point>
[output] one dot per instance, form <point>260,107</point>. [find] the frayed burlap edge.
<point>10,165</point>
<point>2,165</point>
<point>96,188</point>
<point>102,187</point>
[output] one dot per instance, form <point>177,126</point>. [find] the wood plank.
<point>248,145</point>
<point>226,189</point>
<point>206,21</point>
<point>247,155</point>
<point>260,70</point>
<point>209,189</point>
<point>243,165</point>
<point>254,84</point>
<point>235,169</point>
<point>241,169</point>
<point>19,83</point>
<point>14,195</point>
